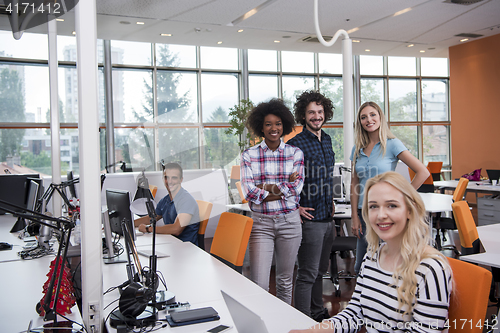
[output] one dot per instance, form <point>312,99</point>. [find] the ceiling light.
<point>464,40</point>
<point>166,35</point>
<point>59,20</point>
<point>241,30</point>
<point>219,42</point>
<point>74,32</point>
<point>422,51</point>
<point>356,41</point>
<point>410,45</point>
<point>352,30</point>
<point>277,41</point>
<point>140,23</point>
<point>367,50</point>
<point>406,10</point>
<point>252,12</point>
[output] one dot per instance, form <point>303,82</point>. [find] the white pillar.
<point>54,115</point>
<point>348,107</point>
<point>90,185</point>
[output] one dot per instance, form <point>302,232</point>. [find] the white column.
<point>90,186</point>
<point>54,115</point>
<point>348,107</point>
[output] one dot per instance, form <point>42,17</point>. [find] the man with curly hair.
<point>271,179</point>
<point>312,110</point>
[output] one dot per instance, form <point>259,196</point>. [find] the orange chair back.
<point>231,238</point>
<point>205,209</point>
<point>240,191</point>
<point>459,193</point>
<point>428,181</point>
<point>235,172</point>
<point>465,224</point>
<point>435,170</point>
<point>153,189</point>
<point>468,303</point>
<point>435,167</point>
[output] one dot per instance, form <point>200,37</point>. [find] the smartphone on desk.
<point>219,329</point>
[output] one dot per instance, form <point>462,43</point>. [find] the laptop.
<point>493,174</point>
<point>245,320</point>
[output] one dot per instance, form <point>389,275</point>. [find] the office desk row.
<point>192,274</point>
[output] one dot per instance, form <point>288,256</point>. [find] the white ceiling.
<point>431,25</point>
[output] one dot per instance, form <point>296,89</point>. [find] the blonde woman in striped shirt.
<point>404,284</point>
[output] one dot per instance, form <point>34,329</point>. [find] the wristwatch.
<point>147,228</point>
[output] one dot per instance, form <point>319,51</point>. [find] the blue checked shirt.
<point>259,165</point>
<point>319,160</point>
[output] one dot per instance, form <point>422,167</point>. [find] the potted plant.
<point>238,118</point>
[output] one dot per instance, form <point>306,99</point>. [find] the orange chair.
<point>240,191</point>
<point>205,209</point>
<point>468,304</point>
<point>427,186</point>
<point>231,239</point>
<point>435,170</point>
<point>450,223</point>
<point>235,176</point>
<point>153,189</point>
<point>459,193</point>
<point>469,238</point>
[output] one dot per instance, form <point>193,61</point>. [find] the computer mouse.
<point>5,246</point>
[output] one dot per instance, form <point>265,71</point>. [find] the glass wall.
<point>171,102</point>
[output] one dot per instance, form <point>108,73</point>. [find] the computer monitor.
<point>71,187</point>
<point>118,202</point>
<point>32,195</point>
<point>14,189</point>
<point>493,174</point>
<point>338,190</point>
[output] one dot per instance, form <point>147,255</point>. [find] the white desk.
<point>473,186</point>
<point>194,276</point>
<point>436,202</point>
<point>21,284</point>
<point>243,207</point>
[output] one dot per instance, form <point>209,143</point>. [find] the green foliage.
<point>221,147</point>
<point>12,110</point>
<point>237,119</point>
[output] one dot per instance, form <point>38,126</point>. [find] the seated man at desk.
<point>178,209</point>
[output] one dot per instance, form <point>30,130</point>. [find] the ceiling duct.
<point>314,39</point>
<point>463,2</point>
<point>466,35</point>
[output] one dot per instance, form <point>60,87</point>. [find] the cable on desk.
<point>74,322</point>
<point>35,252</point>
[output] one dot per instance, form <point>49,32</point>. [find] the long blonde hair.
<point>415,242</point>
<point>361,138</point>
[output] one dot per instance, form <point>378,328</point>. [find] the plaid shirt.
<point>319,160</point>
<point>259,165</point>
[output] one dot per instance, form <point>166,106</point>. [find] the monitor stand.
<point>19,225</point>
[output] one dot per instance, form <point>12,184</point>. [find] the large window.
<point>417,106</point>
<point>171,102</point>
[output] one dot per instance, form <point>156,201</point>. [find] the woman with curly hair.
<point>404,284</point>
<point>272,179</point>
<point>376,150</point>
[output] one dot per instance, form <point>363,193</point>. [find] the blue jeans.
<point>314,255</point>
<point>361,245</point>
<point>280,234</point>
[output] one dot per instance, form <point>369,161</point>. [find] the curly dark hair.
<point>307,97</point>
<point>255,121</point>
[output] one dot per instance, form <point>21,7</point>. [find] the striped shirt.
<point>374,302</point>
<point>259,165</point>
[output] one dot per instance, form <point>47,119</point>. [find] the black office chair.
<point>341,244</point>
